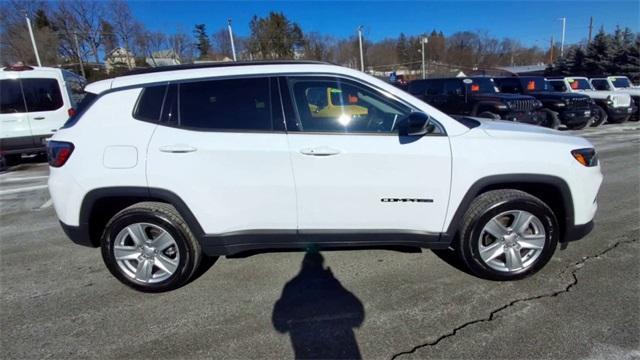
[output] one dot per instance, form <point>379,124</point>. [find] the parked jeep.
<point>571,110</point>
<point>617,106</point>
<point>620,84</point>
<point>477,96</point>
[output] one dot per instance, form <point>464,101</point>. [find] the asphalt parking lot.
<point>59,301</point>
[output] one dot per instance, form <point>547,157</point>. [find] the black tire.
<point>491,204</point>
<point>599,117</point>
<point>551,119</point>
<point>166,217</point>
<point>489,115</point>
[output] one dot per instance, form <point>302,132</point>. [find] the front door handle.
<point>320,151</point>
<point>177,149</point>
<point>38,118</point>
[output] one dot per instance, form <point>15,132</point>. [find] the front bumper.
<point>79,234</point>
<point>575,116</point>
<point>528,117</point>
<point>620,112</point>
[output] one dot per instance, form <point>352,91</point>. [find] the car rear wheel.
<point>579,126</point>
<point>599,116</point>
<point>507,235</point>
<point>149,247</point>
<point>619,120</point>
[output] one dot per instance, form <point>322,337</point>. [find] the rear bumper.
<point>577,232</point>
<point>24,144</point>
<point>78,234</point>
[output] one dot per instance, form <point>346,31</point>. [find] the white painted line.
<point>22,189</point>
<point>47,204</point>
<point>23,179</point>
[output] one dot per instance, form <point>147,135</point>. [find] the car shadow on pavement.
<point>318,313</point>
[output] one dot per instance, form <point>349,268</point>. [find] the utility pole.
<point>424,72</point>
<point>361,53</point>
<point>564,26</point>
<point>33,39</point>
<point>233,46</point>
<point>551,51</point>
<point>590,29</point>
<point>75,37</point>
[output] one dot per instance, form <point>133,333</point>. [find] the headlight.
<point>537,103</point>
<point>586,157</point>
<point>502,106</point>
<point>560,104</point>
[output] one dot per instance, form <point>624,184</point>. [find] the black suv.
<point>572,110</point>
<point>476,96</point>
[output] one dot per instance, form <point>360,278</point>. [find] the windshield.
<point>535,84</point>
<point>481,85</point>
<point>579,84</point>
<point>621,82</point>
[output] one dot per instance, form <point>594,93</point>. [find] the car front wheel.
<point>149,247</point>
<point>507,235</point>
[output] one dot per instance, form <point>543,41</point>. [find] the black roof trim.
<point>221,64</point>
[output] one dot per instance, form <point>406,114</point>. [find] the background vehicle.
<point>619,84</point>
<point>477,96</point>
<point>572,110</point>
<point>403,174</point>
<point>34,103</point>
<point>617,106</point>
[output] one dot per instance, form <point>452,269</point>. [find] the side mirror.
<point>416,124</point>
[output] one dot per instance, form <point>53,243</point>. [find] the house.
<point>163,58</point>
<point>119,58</point>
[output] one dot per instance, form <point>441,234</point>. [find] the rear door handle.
<point>38,118</point>
<point>177,149</point>
<point>320,151</point>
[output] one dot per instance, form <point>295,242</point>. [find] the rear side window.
<point>42,94</point>
<point>11,100</point>
<point>600,84</point>
<point>150,103</point>
<point>558,85</point>
<point>235,104</point>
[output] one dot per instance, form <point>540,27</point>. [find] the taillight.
<point>71,112</point>
<point>59,152</point>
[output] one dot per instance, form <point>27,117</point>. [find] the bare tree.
<point>182,45</point>
<point>82,19</point>
<point>124,25</point>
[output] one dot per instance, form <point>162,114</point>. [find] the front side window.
<point>234,104</point>
<point>621,82</point>
<point>579,84</point>
<point>338,105</point>
<point>42,94</point>
<point>11,100</point>
<point>535,84</point>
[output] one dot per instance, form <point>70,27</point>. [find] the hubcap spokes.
<point>146,252</point>
<point>512,241</point>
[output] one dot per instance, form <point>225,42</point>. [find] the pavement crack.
<point>575,267</point>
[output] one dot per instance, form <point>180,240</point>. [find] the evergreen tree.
<point>202,40</point>
<point>598,61</point>
<point>402,48</point>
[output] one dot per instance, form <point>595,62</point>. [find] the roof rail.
<point>220,64</point>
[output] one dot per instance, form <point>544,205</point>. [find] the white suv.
<point>620,84</point>
<point>609,106</point>
<point>34,103</point>
<point>170,165</point>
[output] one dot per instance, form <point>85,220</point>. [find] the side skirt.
<point>240,241</point>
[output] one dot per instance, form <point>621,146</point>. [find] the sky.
<point>532,22</point>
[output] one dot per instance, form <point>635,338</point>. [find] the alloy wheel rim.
<point>146,253</point>
<point>512,241</point>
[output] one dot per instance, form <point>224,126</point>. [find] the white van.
<point>34,103</point>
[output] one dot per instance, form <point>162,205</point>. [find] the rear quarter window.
<point>11,100</point>
<point>149,104</point>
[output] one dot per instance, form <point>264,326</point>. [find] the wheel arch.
<point>552,190</point>
<point>100,205</point>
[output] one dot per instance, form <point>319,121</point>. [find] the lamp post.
<point>233,46</point>
<point>361,53</point>
<point>425,40</point>
<point>564,26</point>
<point>33,39</point>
